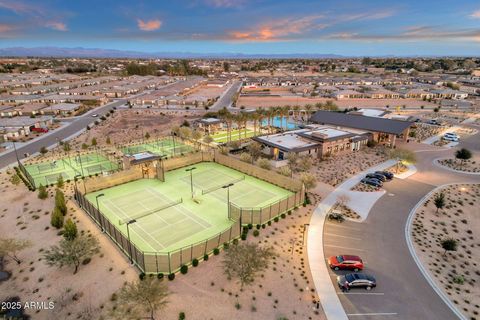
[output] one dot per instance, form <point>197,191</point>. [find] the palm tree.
<point>296,109</point>
<point>255,117</point>
<point>227,117</point>
<point>270,114</point>
<point>308,110</point>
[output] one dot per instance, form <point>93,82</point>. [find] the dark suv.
<point>386,174</point>
<point>356,280</point>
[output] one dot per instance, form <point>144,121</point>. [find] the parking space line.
<point>373,314</point>
<point>362,293</point>
<point>337,226</point>
<point>337,235</point>
<point>348,248</point>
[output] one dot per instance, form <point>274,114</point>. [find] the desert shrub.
<point>171,276</point>
<point>181,316</point>
<point>283,215</point>
<point>243,236</point>
<point>275,219</point>
<point>42,192</point>
<point>205,257</point>
<point>160,275</point>
<point>459,279</point>
<point>141,276</point>
<point>225,245</point>
<point>184,269</point>
<point>256,233</point>
<point>258,227</point>
<point>195,262</point>
<point>250,226</point>
<point>216,251</point>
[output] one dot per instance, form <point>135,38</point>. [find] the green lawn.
<point>222,136</point>
<point>162,229</point>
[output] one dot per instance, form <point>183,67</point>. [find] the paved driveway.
<point>402,291</point>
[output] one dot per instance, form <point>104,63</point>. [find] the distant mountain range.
<point>57,52</point>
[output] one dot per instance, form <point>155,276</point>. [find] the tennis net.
<point>149,212</point>
<point>211,189</point>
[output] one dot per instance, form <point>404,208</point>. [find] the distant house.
<point>63,109</point>
<point>383,130</point>
<point>21,126</point>
<point>348,94</point>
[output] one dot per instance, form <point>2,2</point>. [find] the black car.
<point>377,176</point>
<point>372,182</point>
<point>386,174</point>
<point>356,280</point>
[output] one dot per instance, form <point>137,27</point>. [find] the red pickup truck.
<point>34,129</point>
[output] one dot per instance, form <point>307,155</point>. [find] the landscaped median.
<point>442,232</point>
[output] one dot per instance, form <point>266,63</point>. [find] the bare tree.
<point>343,199</point>
<point>142,297</point>
<point>10,247</point>
<point>244,262</point>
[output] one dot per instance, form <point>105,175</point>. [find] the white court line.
<point>337,235</point>
<point>187,213</point>
<point>124,216</point>
<point>373,314</point>
<point>139,226</point>
<point>155,213</point>
<point>158,230</point>
<point>348,248</point>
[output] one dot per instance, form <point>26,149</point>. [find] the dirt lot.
<point>285,289</point>
<point>336,169</point>
<point>128,125</point>
<point>255,102</point>
<point>457,272</point>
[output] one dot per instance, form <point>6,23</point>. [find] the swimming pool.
<point>280,122</point>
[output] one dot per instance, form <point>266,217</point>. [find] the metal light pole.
<point>174,149</point>
<point>303,235</point>
<point>16,154</point>
<point>98,209</point>
<point>130,242</point>
<point>227,186</point>
<point>191,178</point>
<point>80,160</point>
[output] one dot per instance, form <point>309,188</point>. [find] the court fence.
<point>170,262</point>
<point>158,262</point>
<point>27,176</point>
<point>262,215</point>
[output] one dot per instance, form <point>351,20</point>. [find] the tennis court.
<point>222,136</point>
<point>47,173</point>
<point>169,147</point>
<point>167,218</point>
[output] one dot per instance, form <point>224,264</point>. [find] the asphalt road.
<point>402,291</point>
<point>52,138</point>
<point>225,101</point>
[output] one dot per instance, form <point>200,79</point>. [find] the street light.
<point>16,154</point>
<point>80,160</point>
<point>130,242</point>
<point>303,235</point>
<point>191,178</point>
<point>98,209</point>
<point>227,186</point>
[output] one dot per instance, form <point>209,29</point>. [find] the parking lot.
<point>402,292</point>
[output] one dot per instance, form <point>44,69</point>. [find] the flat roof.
<point>360,122</point>
<point>22,121</point>
<point>326,134</point>
<point>288,141</point>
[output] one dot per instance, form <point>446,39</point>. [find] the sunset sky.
<point>362,27</point>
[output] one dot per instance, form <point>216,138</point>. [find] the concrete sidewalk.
<point>323,284</point>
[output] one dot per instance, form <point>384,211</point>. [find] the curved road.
<point>402,292</point>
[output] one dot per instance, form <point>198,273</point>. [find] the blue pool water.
<point>277,122</point>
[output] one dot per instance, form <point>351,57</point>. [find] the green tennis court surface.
<point>222,136</point>
<point>46,173</point>
<point>167,218</point>
<point>169,147</point>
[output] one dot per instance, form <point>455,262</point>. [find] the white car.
<point>450,137</point>
<point>94,115</point>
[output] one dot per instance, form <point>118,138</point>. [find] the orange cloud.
<point>55,25</point>
<point>278,29</point>
<point>150,25</point>
<point>475,15</point>
<point>5,28</point>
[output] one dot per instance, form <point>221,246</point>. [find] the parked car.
<point>433,122</point>
<point>336,216</point>
<point>450,138</point>
<point>356,280</point>
<point>94,115</point>
<point>386,174</point>
<point>377,176</point>
<point>345,262</point>
<point>39,129</point>
<point>372,182</point>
